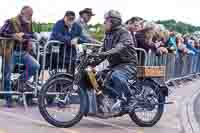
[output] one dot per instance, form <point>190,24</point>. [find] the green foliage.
<point>179,26</point>
<point>98,32</point>
<point>42,27</point>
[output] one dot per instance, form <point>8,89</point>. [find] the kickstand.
<point>25,102</point>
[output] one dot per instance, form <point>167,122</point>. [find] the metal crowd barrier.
<point>176,66</point>
<point>53,59</point>
<point>52,53</point>
<point>7,51</point>
<point>58,58</point>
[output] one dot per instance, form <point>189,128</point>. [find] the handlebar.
<point>92,45</point>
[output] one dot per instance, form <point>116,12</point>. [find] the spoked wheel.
<point>149,114</point>
<point>68,103</point>
<point>50,98</point>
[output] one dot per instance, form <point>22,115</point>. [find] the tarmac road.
<point>17,120</point>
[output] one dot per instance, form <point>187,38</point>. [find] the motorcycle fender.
<point>161,84</point>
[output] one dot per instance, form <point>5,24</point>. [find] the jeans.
<point>31,64</point>
<point>120,77</point>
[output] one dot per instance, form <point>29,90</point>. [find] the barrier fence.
<point>54,55</point>
<point>176,66</point>
<point>13,64</point>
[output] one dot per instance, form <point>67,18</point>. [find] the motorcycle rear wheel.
<point>160,109</point>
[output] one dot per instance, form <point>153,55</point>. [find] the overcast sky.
<point>52,10</point>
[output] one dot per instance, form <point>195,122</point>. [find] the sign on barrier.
<point>13,55</point>
<point>151,71</point>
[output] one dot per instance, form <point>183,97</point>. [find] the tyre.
<point>159,97</point>
<point>51,99</point>
<point>61,75</point>
<point>65,97</point>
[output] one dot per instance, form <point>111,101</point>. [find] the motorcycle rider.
<point>118,49</point>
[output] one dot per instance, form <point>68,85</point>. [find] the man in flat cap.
<point>118,49</point>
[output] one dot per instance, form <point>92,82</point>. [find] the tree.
<point>180,27</point>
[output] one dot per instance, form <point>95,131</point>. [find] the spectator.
<point>160,40</point>
<point>190,45</point>
<point>85,17</point>
<point>20,27</point>
<point>146,39</point>
<point>135,24</point>
<point>182,49</point>
<point>197,44</point>
<point>171,43</point>
<point>69,32</point>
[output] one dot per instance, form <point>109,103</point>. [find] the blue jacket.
<point>189,46</point>
<point>61,33</point>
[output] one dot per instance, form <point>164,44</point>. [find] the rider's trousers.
<point>119,79</point>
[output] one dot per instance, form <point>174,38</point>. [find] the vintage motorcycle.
<point>95,99</point>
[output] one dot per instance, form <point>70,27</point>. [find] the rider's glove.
<point>103,55</point>
<point>95,59</point>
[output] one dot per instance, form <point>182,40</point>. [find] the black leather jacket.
<point>118,48</point>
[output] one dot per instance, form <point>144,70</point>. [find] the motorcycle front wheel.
<point>149,117</point>
<point>68,106</point>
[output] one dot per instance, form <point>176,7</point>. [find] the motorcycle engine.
<point>109,105</point>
